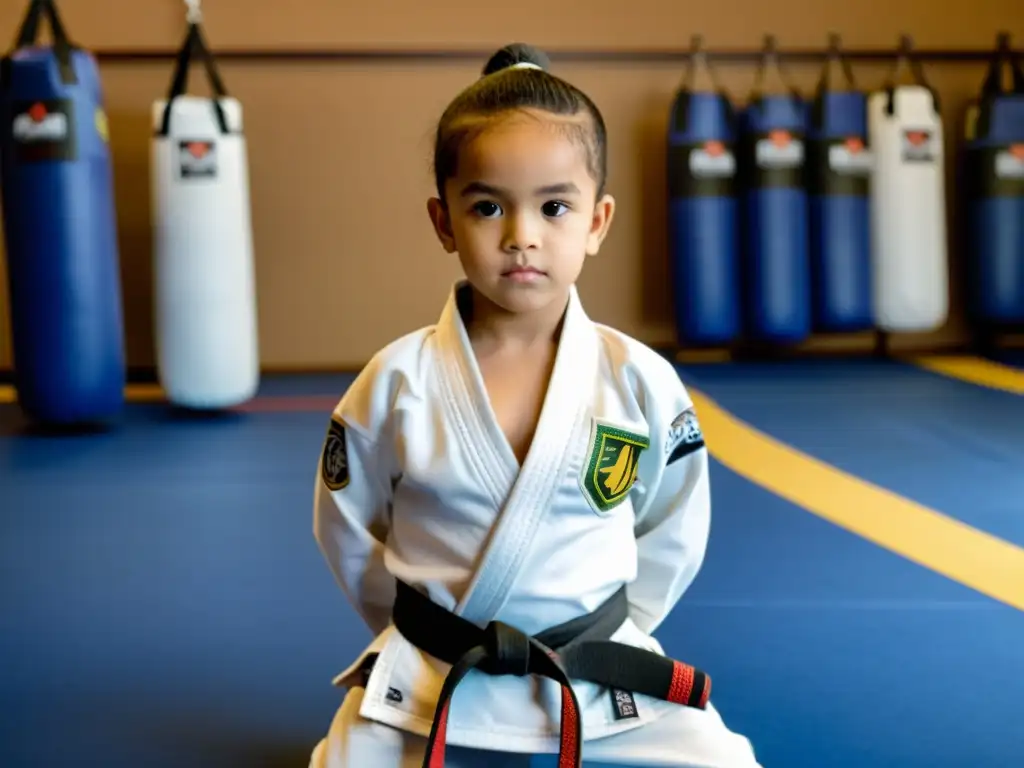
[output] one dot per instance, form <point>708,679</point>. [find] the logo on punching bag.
<point>1010,163</point>
<point>712,159</point>
<point>779,149</point>
<point>850,157</point>
<point>917,146</point>
<point>197,159</point>
<point>44,130</point>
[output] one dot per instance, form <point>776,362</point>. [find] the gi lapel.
<point>467,407</point>
<point>522,496</point>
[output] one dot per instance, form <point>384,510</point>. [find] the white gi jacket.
<point>417,482</point>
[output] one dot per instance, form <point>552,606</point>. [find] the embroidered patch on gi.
<point>334,462</point>
<point>624,704</point>
<point>684,436</point>
<point>610,467</point>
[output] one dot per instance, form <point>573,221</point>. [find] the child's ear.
<point>442,223</point>
<point>601,221</point>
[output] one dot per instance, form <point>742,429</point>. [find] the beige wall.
<point>340,151</point>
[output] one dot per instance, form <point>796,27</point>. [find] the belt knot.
<point>508,650</point>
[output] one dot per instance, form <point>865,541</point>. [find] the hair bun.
<point>517,53</point>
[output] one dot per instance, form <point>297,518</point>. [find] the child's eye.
<point>487,209</point>
<point>554,208</point>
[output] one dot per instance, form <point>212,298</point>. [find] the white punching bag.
<point>908,206</point>
<point>205,316</point>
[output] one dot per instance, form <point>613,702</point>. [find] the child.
<point>512,468</point>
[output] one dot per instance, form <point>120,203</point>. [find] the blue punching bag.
<point>776,260</point>
<point>60,230</point>
<point>994,169</point>
<point>839,174</point>
<point>702,216</point>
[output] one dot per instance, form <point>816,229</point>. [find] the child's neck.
<point>493,329</point>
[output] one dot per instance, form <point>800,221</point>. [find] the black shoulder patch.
<point>334,461</point>
<point>684,436</point>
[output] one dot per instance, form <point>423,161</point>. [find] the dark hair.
<point>503,88</point>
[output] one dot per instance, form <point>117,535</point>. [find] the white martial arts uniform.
<point>417,482</point>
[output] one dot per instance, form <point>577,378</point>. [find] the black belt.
<point>579,649</point>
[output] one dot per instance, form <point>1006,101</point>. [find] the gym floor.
<point>163,603</point>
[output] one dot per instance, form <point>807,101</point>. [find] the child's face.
<point>522,213</point>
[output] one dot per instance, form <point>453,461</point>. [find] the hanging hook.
<point>700,67</point>
<point>193,13</point>
<point>698,54</point>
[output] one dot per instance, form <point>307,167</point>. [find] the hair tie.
<point>526,65</point>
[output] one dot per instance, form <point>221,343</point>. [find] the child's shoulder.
<point>400,356</point>
<point>370,398</point>
<point>646,376</point>
<point>632,357</point>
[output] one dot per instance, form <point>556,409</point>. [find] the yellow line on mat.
<point>976,559</point>
<point>135,393</point>
<point>144,393</point>
<point>974,370</point>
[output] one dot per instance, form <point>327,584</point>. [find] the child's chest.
<point>516,389</point>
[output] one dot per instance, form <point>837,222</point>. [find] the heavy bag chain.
<point>770,64</point>
<point>907,63</point>
<point>978,121</point>
<point>29,31</point>
<point>700,78</point>
<point>195,46</point>
<point>834,59</point>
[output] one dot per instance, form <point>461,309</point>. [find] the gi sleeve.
<point>673,521</point>
<point>352,510</point>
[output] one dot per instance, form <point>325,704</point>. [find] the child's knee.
<point>318,758</point>
<point>682,738</point>
<point>355,742</point>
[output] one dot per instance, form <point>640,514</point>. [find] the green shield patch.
<point>611,465</point>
